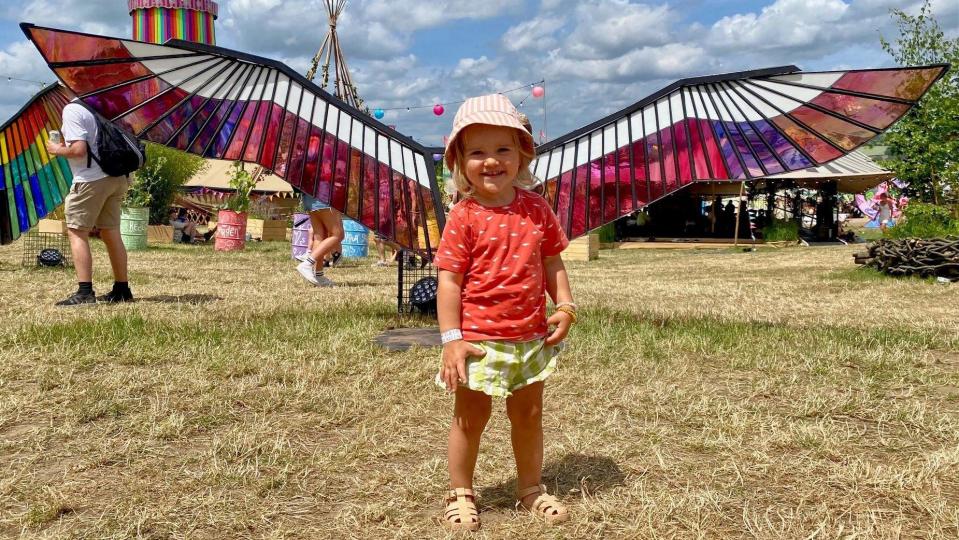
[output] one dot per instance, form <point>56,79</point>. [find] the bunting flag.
<point>224,104</point>
<point>738,126</point>
<point>32,184</point>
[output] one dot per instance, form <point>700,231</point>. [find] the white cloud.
<point>612,27</point>
<point>537,34</point>
<point>474,67</point>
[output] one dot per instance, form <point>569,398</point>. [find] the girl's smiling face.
<point>491,160</point>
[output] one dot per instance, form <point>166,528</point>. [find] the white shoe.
<point>322,281</point>
<point>302,256</point>
<point>306,270</point>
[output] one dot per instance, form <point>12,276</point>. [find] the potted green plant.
<point>135,213</point>
<point>231,218</point>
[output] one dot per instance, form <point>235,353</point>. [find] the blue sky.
<point>597,56</point>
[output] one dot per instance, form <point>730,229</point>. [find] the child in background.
<point>498,258</point>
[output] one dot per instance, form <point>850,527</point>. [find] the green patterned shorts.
<point>509,366</point>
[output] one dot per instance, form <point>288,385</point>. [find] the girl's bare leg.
<point>470,415</point>
<point>525,411</point>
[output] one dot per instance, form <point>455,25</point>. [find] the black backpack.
<point>119,152</point>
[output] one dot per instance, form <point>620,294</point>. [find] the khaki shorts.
<point>96,203</point>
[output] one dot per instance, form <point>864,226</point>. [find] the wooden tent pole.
<point>739,203</point>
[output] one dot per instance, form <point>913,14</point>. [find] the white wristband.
<point>451,335</point>
<point>570,304</point>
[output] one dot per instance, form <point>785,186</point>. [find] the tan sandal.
<point>546,505</point>
<point>461,513</point>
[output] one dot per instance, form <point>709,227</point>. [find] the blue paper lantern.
<point>378,114</point>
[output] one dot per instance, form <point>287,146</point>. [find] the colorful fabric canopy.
<point>224,104</point>
<point>31,183</point>
<point>229,105</point>
<point>736,126</point>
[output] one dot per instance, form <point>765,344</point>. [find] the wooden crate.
<point>159,234</point>
<point>266,230</point>
<point>584,248</point>
<point>52,226</point>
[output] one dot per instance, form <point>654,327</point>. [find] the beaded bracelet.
<point>569,311</point>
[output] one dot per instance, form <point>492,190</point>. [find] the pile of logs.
<point>937,257</point>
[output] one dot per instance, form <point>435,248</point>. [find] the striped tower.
<point>156,21</point>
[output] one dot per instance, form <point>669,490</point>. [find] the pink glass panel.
<point>272,136</point>
<point>340,179</point>
<point>114,102</point>
<point>324,183</point>
<point>64,47</point>
<point>311,161</point>
<point>904,83</point>
<point>698,150</point>
<point>261,109</point>
<point>627,172</point>
<point>294,174</point>
<point>85,79</point>
<point>669,159</point>
<point>367,212</point>
<point>729,155</point>
<point>596,192</point>
<point>353,191</point>
<point>580,199</point>
<point>879,114</point>
<point>682,152</point>
<point>285,145</point>
<point>817,148</point>
<point>610,188</point>
<point>843,133</point>
<point>564,199</point>
<point>141,118</point>
<point>168,126</point>
<point>385,202</point>
<point>245,124</point>
<point>712,150</point>
<point>656,187</point>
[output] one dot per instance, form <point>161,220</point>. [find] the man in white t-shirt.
<point>94,201</point>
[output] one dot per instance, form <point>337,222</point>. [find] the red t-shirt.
<point>500,253</point>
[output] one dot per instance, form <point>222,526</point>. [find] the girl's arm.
<point>557,286</point>
<point>448,306</point>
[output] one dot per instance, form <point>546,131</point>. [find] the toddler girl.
<point>498,258</point>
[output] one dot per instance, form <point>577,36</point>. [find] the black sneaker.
<point>77,299</point>
<point>116,297</point>
<point>336,258</point>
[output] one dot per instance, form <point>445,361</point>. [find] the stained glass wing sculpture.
<point>727,127</point>
<point>32,183</point>
<point>224,104</point>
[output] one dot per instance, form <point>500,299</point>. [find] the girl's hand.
<point>455,353</point>
<point>562,321</point>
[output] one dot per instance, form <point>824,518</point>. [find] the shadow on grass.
<point>194,299</point>
<point>574,472</point>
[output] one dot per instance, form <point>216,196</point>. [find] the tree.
<point>923,147</point>
<point>170,169</point>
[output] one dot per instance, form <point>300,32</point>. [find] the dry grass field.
<point>704,394</point>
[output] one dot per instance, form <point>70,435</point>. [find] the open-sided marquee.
<point>31,183</point>
<point>225,104</point>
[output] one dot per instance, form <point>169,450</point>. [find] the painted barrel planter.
<point>355,239</point>
<point>230,231</point>
<point>300,237</point>
<point>133,227</point>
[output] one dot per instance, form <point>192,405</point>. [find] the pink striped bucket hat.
<point>493,110</point>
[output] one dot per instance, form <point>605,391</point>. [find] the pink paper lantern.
<point>438,110</point>
<point>538,92</point>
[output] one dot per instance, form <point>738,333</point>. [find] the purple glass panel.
<point>142,117</point>
<point>842,133</point>
<point>243,127</point>
<point>656,187</point>
<point>294,172</point>
<point>324,183</point>
<point>818,149</point>
<point>627,172</point>
<point>578,226</point>
<point>168,126</point>
<point>787,152</point>
<point>257,129</point>
<point>385,202</point>
<point>903,83</point>
<point>761,150</point>
<point>212,127</point>
<point>732,163</point>
<point>682,152</point>
<point>669,159</point>
<point>752,166</point>
<point>596,191</point>
<point>223,136</point>
<point>119,100</point>
<point>367,212</point>
<point>879,114</point>
<point>563,199</point>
